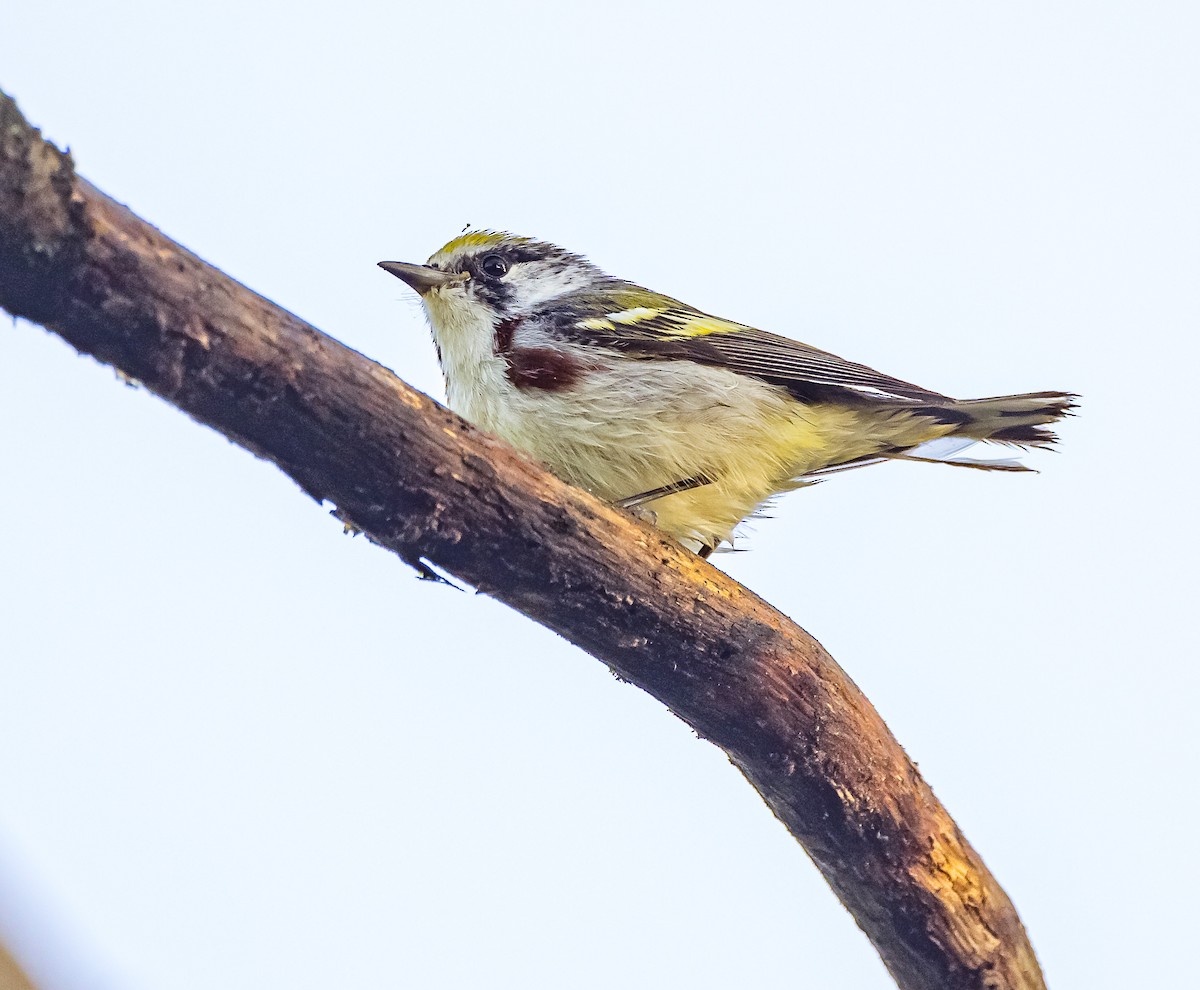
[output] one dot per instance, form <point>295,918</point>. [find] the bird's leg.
<point>686,485</point>
<point>634,504</point>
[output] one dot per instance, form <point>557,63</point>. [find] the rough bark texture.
<point>422,482</point>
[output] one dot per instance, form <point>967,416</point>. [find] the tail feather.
<point>944,450</point>
<point>1020,420</point>
<point>980,464</point>
<point>1015,419</point>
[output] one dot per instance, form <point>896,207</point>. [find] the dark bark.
<point>423,483</point>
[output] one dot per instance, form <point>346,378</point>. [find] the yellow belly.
<point>621,435</point>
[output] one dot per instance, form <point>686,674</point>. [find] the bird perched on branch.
<point>653,405</point>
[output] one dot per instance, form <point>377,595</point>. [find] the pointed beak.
<point>422,278</point>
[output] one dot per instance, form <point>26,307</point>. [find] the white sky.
<point>239,749</point>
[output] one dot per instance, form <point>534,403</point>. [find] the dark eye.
<point>493,266</point>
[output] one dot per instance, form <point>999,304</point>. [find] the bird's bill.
<point>422,278</point>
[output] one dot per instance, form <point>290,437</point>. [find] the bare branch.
<point>423,483</point>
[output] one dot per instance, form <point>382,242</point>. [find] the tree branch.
<point>422,482</point>
<point>12,977</point>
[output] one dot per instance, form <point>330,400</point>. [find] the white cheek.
<point>537,284</point>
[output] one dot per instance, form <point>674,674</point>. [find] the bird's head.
<point>486,277</point>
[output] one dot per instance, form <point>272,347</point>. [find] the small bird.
<point>690,419</point>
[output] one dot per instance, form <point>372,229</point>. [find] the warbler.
<point>649,403</point>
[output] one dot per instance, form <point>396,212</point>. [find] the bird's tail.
<point>1015,419</point>
<point>1019,420</point>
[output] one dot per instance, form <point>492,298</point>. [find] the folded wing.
<point>668,328</point>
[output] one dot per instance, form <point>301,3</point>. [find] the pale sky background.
<point>239,749</point>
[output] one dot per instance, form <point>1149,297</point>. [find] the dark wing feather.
<point>670,329</point>
<point>796,366</point>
